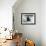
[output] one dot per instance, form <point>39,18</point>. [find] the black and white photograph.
<point>28,18</point>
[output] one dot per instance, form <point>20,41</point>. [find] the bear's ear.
<point>29,43</point>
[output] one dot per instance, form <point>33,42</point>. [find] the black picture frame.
<point>28,18</point>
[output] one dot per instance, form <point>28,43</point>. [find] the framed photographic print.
<point>28,18</point>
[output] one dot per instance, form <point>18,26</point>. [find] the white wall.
<point>30,31</point>
<point>6,13</point>
<point>43,22</point>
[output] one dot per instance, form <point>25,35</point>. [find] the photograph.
<point>28,18</point>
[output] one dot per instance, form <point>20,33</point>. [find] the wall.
<point>6,13</point>
<point>32,32</point>
<point>43,22</point>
